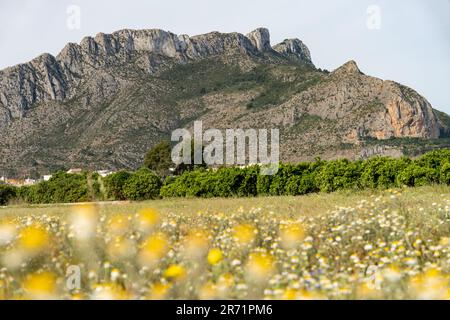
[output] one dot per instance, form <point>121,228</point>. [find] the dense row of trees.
<point>324,176</point>
<point>302,178</point>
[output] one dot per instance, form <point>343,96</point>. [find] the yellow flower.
<point>367,291</point>
<point>77,296</point>
<point>444,241</point>
<point>214,256</point>
<point>40,285</point>
<point>289,294</point>
<point>147,219</point>
<point>208,292</point>
<point>225,280</point>
<point>291,235</point>
<point>196,244</point>
<point>159,291</point>
<point>244,234</point>
<point>120,248</point>
<point>174,272</point>
<point>308,295</point>
<point>34,238</point>
<point>260,266</point>
<point>118,224</point>
<point>153,249</point>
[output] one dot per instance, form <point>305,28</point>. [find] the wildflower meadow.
<point>391,244</point>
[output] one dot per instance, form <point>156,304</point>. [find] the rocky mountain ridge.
<point>48,78</point>
<point>103,102</point>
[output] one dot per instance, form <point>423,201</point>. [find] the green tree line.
<point>291,179</point>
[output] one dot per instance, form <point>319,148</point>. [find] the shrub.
<point>338,174</point>
<point>445,173</point>
<point>298,185</point>
<point>434,159</point>
<point>7,193</point>
<point>325,176</point>
<point>263,185</point>
<point>63,187</point>
<point>293,185</point>
<point>248,182</point>
<point>114,184</point>
<point>415,175</point>
<point>142,185</point>
<point>224,182</point>
<point>381,172</point>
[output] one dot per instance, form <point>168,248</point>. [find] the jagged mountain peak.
<point>294,48</point>
<point>350,67</point>
<point>260,38</point>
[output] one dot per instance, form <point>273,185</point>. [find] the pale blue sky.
<point>412,45</point>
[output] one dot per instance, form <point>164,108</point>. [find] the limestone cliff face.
<point>396,111</point>
<point>56,78</point>
<point>295,49</point>
<point>408,114</point>
<point>24,85</point>
<point>108,99</point>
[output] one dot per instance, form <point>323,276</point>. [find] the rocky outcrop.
<point>25,85</point>
<point>395,111</point>
<point>348,68</point>
<point>407,114</point>
<point>260,39</point>
<point>295,49</point>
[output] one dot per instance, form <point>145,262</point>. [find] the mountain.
<point>103,103</point>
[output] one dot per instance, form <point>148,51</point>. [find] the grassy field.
<point>391,244</point>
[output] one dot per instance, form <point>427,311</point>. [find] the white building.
<point>104,173</point>
<point>29,182</point>
<point>75,171</point>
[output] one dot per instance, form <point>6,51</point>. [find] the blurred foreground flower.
<point>244,234</point>
<point>259,267</point>
<point>196,244</point>
<point>33,238</point>
<point>110,291</point>
<point>292,235</point>
<point>118,224</point>
<point>153,249</point>
<point>175,272</point>
<point>214,256</point>
<point>40,286</point>
<point>159,291</point>
<point>8,232</point>
<point>147,220</point>
<point>83,221</point>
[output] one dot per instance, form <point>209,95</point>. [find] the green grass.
<point>308,204</point>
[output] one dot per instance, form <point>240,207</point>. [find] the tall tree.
<point>158,159</point>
